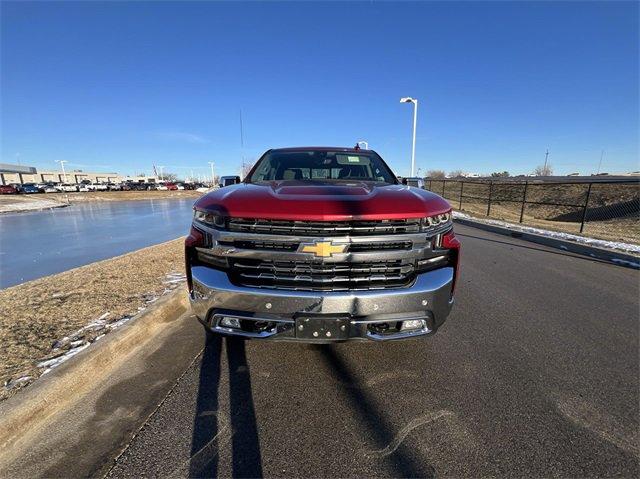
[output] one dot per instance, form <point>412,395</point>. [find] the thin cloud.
<point>182,137</point>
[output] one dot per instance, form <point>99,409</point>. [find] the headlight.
<point>210,219</point>
<point>436,220</point>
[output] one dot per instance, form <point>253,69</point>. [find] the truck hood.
<point>322,201</point>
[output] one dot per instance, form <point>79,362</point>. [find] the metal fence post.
<point>490,193</point>
<point>524,200</point>
<point>586,204</point>
<point>443,183</point>
<point>430,187</point>
<point>461,188</point>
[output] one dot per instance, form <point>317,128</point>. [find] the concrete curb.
<point>622,259</point>
<point>25,413</point>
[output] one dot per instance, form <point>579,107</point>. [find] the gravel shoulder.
<point>49,319</point>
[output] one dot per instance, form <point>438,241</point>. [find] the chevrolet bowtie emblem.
<point>324,249</point>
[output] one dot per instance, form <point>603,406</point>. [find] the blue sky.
<point>121,86</point>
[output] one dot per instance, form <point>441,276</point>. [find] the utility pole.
<point>600,164</point>
<point>213,176</point>
<point>546,156</point>
<point>241,143</point>
<point>161,168</point>
<point>415,120</point>
<point>62,162</point>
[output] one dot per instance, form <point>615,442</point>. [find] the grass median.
<point>43,322</point>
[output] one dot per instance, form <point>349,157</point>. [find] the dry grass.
<point>125,195</point>
<point>34,315</point>
<point>612,213</point>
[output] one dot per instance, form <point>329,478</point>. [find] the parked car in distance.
<point>167,186</point>
<point>67,187</point>
<point>229,180</point>
<point>180,186</point>
<point>414,181</point>
<point>29,188</point>
<point>95,186</point>
<point>8,190</point>
<point>151,186</point>
<point>114,186</point>
<point>50,188</point>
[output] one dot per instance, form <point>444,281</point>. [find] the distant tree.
<point>456,174</point>
<point>171,177</point>
<point>436,174</point>
<point>543,170</point>
<point>500,174</point>
<point>246,167</point>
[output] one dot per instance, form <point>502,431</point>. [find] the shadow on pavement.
<point>542,249</point>
<point>401,463</point>
<point>209,429</point>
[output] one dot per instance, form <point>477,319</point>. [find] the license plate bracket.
<point>327,329</point>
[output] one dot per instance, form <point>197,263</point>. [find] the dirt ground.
<point>44,319</point>
<point>17,203</point>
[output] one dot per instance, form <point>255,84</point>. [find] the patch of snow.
<point>67,347</point>
<point>57,361</point>
<point>32,205</point>
<point>16,383</point>
<point>626,263</point>
<point>615,245</point>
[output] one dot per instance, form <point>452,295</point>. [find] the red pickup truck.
<point>318,245</point>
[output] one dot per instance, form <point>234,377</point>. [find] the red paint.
<point>322,201</point>
<point>450,241</point>
<point>195,238</point>
<point>8,190</point>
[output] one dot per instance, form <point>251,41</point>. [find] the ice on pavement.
<point>615,245</point>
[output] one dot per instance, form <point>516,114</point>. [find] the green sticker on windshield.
<point>353,159</point>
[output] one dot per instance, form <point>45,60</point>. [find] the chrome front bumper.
<point>429,299</point>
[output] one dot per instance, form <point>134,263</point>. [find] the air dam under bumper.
<point>356,312</point>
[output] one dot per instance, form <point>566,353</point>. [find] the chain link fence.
<point>604,210</point>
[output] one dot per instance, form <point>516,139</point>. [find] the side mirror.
<point>236,180</point>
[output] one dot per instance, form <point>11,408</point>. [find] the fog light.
<point>230,322</point>
<point>412,324</point>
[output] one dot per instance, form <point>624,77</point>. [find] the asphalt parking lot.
<point>534,374</point>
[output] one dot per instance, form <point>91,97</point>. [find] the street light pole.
<point>213,176</point>
<point>161,168</point>
<point>415,121</point>
<point>62,162</point>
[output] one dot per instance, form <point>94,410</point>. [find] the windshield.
<point>321,165</point>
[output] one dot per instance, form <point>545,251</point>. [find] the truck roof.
<point>320,148</point>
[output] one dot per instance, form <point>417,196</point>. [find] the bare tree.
<point>246,167</point>
<point>456,174</point>
<point>170,177</point>
<point>436,174</point>
<point>543,170</point>
<point>500,174</point>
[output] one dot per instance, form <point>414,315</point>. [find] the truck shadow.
<point>401,463</point>
<point>210,430</point>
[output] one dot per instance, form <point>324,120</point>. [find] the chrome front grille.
<point>359,247</point>
<point>323,228</point>
<point>316,276</point>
